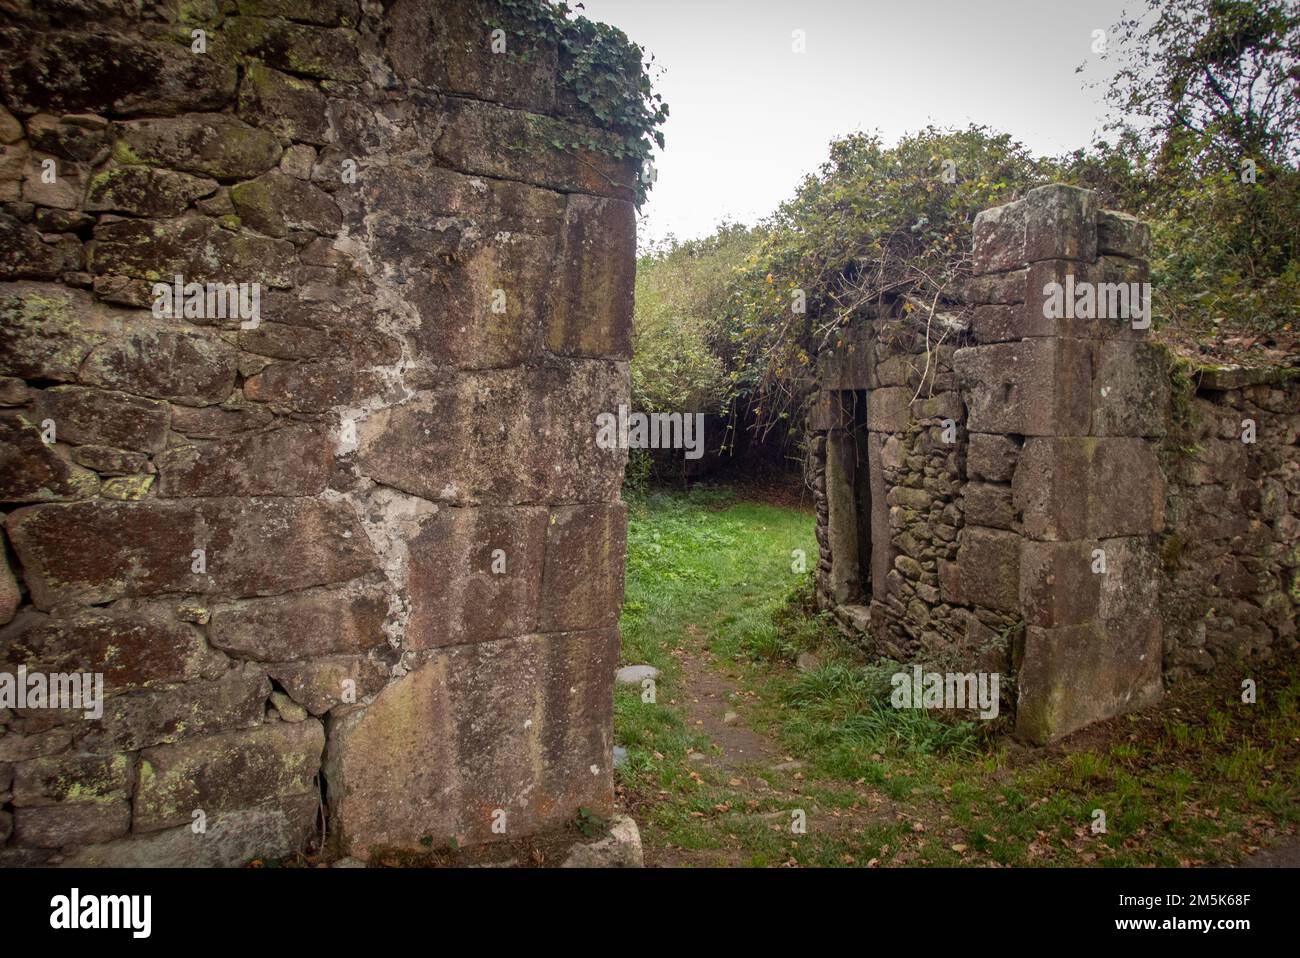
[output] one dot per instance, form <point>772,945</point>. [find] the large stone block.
<point>312,386</point>
<point>74,779</point>
<point>889,409</point>
<point>521,725</point>
<point>195,247</point>
<point>490,140</point>
<point>1089,488</point>
<point>102,72</point>
<point>78,137</point>
<point>132,648</point>
<point>216,145</point>
<point>436,200</point>
<point>276,204</point>
<point>582,579</point>
<point>449,47</point>
<point>302,625</point>
<point>144,191</point>
<point>988,561</point>
<point>47,330</point>
<point>1060,223</point>
<point>989,504</point>
<point>992,458</point>
<point>501,436</point>
<point>1130,587</point>
<point>185,366</point>
<point>1130,389</point>
<point>475,575</point>
<point>1038,387</point>
<point>842,519</point>
<point>849,362</point>
<point>1075,675</point>
<point>106,417</point>
<point>998,288</point>
<point>830,409</point>
<point>1105,299</point>
<point>999,238</point>
<point>326,53</point>
<point>227,771</point>
<point>589,310</point>
<point>94,552</point>
<point>136,720</point>
<point>286,105</point>
<point>66,189</point>
<point>1120,234</point>
<point>232,839</point>
<point>485,306</point>
<point>294,460</point>
<point>1051,222</point>
<point>212,422</point>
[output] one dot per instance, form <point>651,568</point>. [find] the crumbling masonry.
<point>354,563</point>
<point>1053,499</point>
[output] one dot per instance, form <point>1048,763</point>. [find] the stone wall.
<point>1003,452</point>
<point>355,565</point>
<point>1231,550</point>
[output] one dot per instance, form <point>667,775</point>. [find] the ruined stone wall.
<point>357,564</point>
<point>1003,450</point>
<point>1231,549</point>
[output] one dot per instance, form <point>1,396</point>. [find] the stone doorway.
<point>849,495</point>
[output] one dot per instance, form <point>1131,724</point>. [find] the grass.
<point>1202,779</point>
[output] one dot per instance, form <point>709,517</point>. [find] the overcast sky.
<point>749,117</point>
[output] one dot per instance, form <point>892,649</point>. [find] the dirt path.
<point>713,704</point>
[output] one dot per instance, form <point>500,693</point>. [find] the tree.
<point>1217,81</point>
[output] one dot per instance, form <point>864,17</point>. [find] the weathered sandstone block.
<point>1088,488</point>
<point>520,725</point>
<point>1075,675</point>
<point>95,552</point>
<point>1038,387</point>
<point>226,771</point>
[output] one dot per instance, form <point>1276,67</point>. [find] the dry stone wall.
<point>1231,552</point>
<point>351,565</point>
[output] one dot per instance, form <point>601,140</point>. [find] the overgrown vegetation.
<point>602,71</point>
<point>1203,145</point>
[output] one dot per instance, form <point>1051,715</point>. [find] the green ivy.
<point>602,71</point>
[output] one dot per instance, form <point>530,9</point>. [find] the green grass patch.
<point>1200,780</point>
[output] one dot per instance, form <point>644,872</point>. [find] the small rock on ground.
<point>621,848</point>
<point>635,674</point>
<point>807,661</point>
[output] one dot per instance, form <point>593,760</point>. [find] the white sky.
<point>749,117</point>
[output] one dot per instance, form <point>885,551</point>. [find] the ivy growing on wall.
<point>601,71</point>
